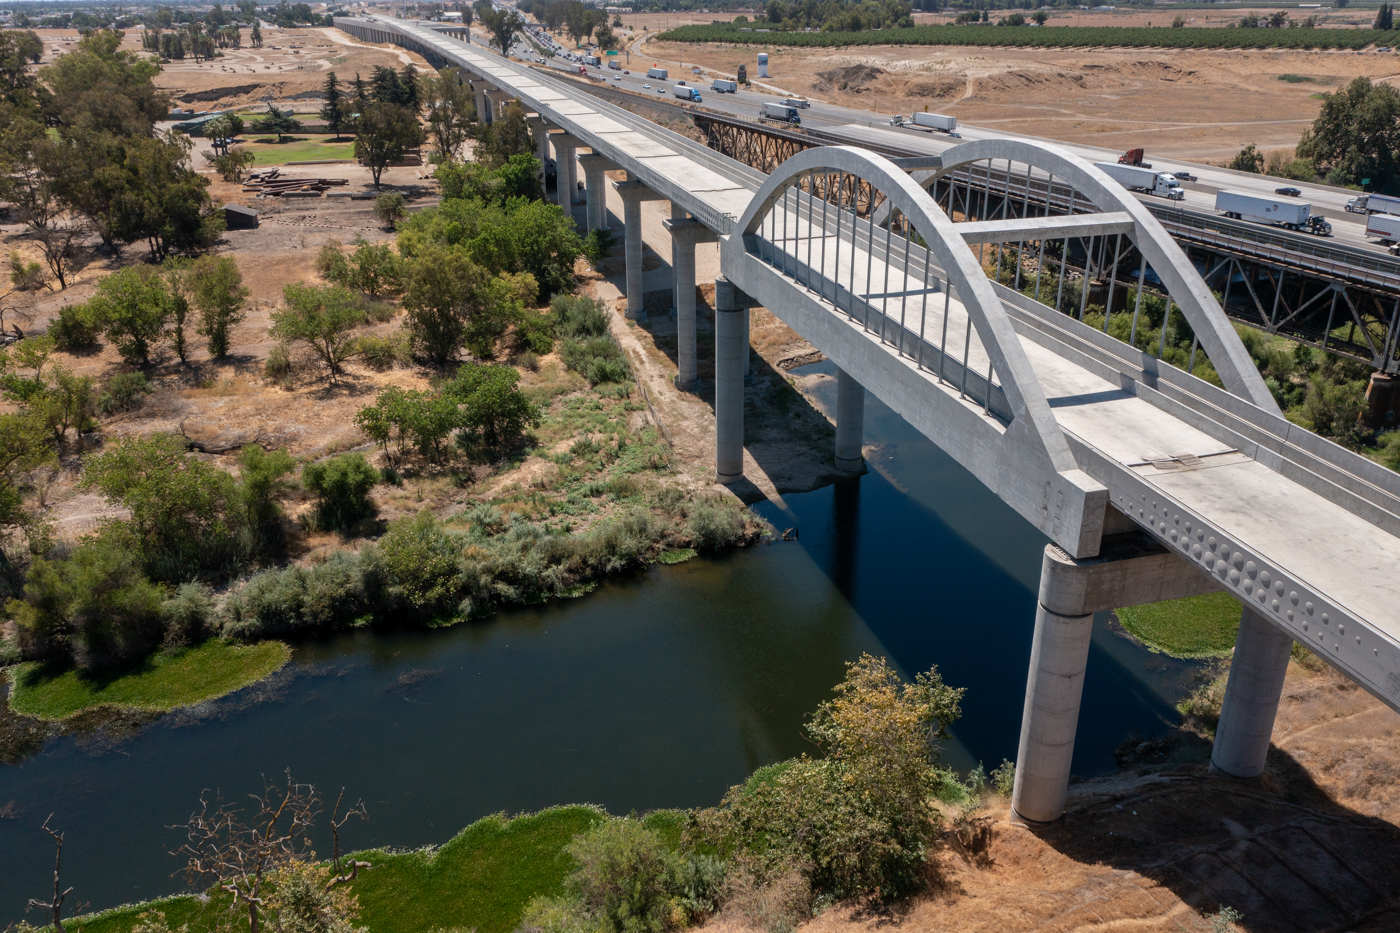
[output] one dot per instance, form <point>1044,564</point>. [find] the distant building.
<point>238,217</point>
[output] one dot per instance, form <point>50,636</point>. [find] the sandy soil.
<point>1313,845</point>
<point>1204,106</point>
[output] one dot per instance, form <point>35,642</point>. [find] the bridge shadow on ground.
<point>1293,851</point>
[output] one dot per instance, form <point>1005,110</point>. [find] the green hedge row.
<point>1048,37</point>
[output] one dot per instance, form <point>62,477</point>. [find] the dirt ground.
<point>1197,105</point>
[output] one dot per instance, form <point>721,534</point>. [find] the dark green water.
<point>660,690</point>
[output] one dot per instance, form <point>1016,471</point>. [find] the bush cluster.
<point>588,346</point>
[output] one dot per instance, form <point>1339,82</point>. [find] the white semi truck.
<point>1282,212</point>
<point>1134,178</point>
<point>1374,204</point>
<point>659,73</point>
<point>1386,228</point>
<point>929,123</point>
<point>780,112</point>
<point>686,93</point>
<point>721,86</point>
<point>593,60</point>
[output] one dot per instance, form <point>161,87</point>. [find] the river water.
<point>658,690</point>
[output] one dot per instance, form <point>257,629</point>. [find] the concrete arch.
<point>1188,290</point>
<point>1029,409</point>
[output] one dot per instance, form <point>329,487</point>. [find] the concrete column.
<point>563,172</point>
<point>685,234</point>
<point>595,188</point>
<point>677,214</point>
<point>483,109</point>
<point>1252,693</point>
<point>539,131</point>
<point>850,423</point>
<point>1059,654</point>
<point>632,250</point>
<point>731,349</point>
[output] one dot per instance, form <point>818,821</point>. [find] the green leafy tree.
<point>492,406</point>
<point>500,141</point>
<point>383,135</point>
<point>323,317</point>
<point>451,111</point>
<point>333,111</point>
<point>216,286</point>
<point>177,275</point>
<point>233,164</point>
<point>99,87</point>
<point>1248,159</point>
<point>278,123</point>
<point>24,447</point>
<point>262,480</point>
<point>255,35</point>
<point>1357,135</point>
<point>503,24</point>
<point>341,485</point>
<point>451,301</point>
<point>410,419</point>
<point>133,307</point>
<point>390,208</point>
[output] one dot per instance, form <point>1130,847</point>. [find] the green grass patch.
<point>1297,79</point>
<point>1195,627</point>
<point>162,681</point>
<point>675,557</point>
<point>299,150</point>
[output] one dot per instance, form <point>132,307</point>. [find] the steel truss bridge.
<point>1151,483</point>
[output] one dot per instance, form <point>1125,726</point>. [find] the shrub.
<point>381,353</point>
<point>188,615</point>
<point>713,525</point>
<point>232,165</point>
<point>75,328</point>
<point>341,485</point>
<point>579,316</point>
<point>390,208</point>
<point>1390,450</point>
<point>777,904</point>
<point>331,263</point>
<point>625,877</point>
<point>535,332</point>
<point>598,244</point>
<point>25,276</point>
<point>95,607</point>
<point>344,590</point>
<point>529,360</point>
<point>857,819</point>
<point>420,560</point>
<point>278,366</point>
<point>1004,777</point>
<point>125,392</point>
<point>374,269</point>
<point>492,407</point>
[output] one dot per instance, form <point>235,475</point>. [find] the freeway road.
<point>867,127</point>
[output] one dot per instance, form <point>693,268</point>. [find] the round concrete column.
<point>731,351</point>
<point>677,214</point>
<point>850,423</point>
<point>632,249</point>
<point>563,175</point>
<point>1252,693</point>
<point>1059,654</point>
<point>596,194</point>
<point>483,109</point>
<point>688,376</point>
<point>541,134</point>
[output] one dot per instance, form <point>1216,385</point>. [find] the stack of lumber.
<point>409,158</point>
<point>271,182</point>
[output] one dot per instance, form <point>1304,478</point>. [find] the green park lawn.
<point>481,879</point>
<point>162,681</point>
<point>1196,627</point>
<point>297,149</point>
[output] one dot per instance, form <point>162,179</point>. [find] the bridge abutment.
<point>685,234</point>
<point>731,360</point>
<point>1252,694</point>
<point>850,423</point>
<point>1131,569</point>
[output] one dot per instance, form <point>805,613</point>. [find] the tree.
<point>341,485</point>
<point>1039,17</point>
<point>451,110</point>
<point>237,851</point>
<point>390,208</point>
<point>256,35</point>
<point>100,88</point>
<point>1357,135</point>
<point>333,110</point>
<point>55,904</point>
<point>505,138</point>
<point>222,129</point>
<point>446,296</point>
<point>133,308</point>
<point>216,285</point>
<point>408,419</point>
<point>24,447</point>
<point>501,23</point>
<point>492,406</point>
<point>383,135</point>
<point>177,275</point>
<point>282,124</point>
<point>261,481</point>
<point>1248,159</point>
<point>232,165</point>
<point>324,318</point>
<point>607,39</point>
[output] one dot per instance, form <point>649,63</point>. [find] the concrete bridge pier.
<point>483,108</point>
<point>565,169</point>
<point>731,356</point>
<point>1131,569</point>
<point>540,131</point>
<point>633,193</point>
<point>685,234</point>
<point>595,192</point>
<point>850,423</point>
<point>677,213</point>
<point>1252,694</point>
<point>499,100</point>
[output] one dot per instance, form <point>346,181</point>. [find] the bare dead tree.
<point>236,849</point>
<point>56,904</point>
<point>341,876</point>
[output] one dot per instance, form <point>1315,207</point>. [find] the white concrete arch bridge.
<point>1151,483</point>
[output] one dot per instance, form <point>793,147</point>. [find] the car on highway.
<point>1183,176</point>
<point>1288,190</point>
<point>647,86</point>
<point>617,77</point>
<point>661,90</point>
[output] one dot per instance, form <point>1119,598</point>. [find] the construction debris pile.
<point>271,182</point>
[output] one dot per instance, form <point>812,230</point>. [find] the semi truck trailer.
<point>1386,228</point>
<point>721,86</point>
<point>780,112</point>
<point>593,60</point>
<point>659,73</point>
<point>1143,179</point>
<point>1374,204</point>
<point>1291,215</point>
<point>929,123</point>
<point>686,93</point>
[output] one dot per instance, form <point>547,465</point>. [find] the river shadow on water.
<point>658,690</point>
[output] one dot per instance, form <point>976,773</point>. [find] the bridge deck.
<point>1306,530</point>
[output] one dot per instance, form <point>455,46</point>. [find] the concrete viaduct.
<point>1152,484</point>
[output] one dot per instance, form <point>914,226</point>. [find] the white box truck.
<point>721,86</point>
<point>1143,179</point>
<point>935,121</point>
<point>1386,228</point>
<point>779,112</point>
<point>593,60</point>
<point>1374,204</point>
<point>1283,212</point>
<point>659,73</point>
<point>801,103</point>
<point>686,93</point>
